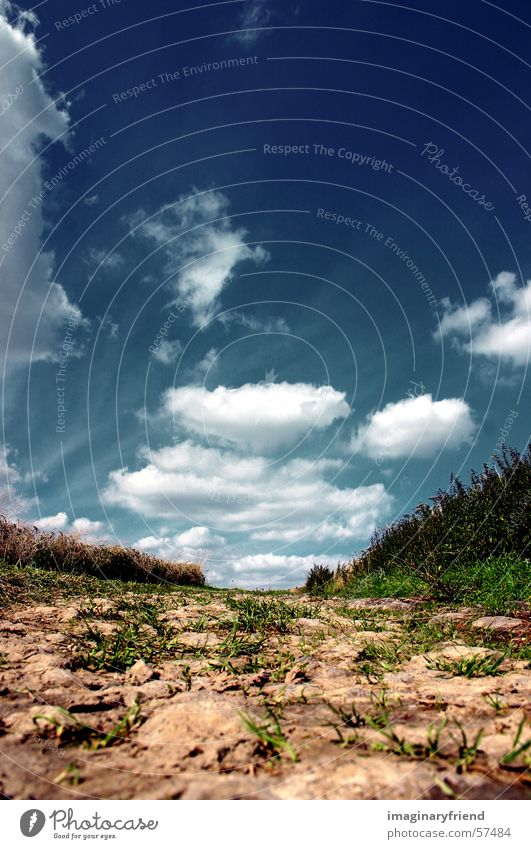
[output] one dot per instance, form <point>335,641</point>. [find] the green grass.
<point>36,585</point>
<point>495,584</point>
<point>467,750</point>
<point>397,583</point>
<point>68,730</point>
<point>469,667</point>
<point>258,614</point>
<point>139,634</point>
<point>518,748</point>
<point>272,740</point>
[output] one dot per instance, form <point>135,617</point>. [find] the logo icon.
<point>32,822</point>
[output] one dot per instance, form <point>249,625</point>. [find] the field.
<point>114,689</point>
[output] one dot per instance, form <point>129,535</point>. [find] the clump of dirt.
<point>202,695</point>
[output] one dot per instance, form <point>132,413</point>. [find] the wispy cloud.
<point>31,299</point>
<point>167,352</point>
<point>256,13</point>
<point>201,248</point>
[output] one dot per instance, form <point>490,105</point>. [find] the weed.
<point>493,699</point>
<point>320,579</point>
<point>348,718</point>
<point>117,651</point>
<point>187,676</point>
<point>467,752</point>
<point>517,748</point>
<point>385,655</point>
<point>272,740</point>
<point>381,699</point>
<point>69,775</point>
<point>234,646</point>
<point>200,624</point>
<point>434,737</point>
<point>395,744</point>
<point>372,674</point>
<point>69,730</point>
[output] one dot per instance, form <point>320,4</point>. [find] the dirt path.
<point>201,695</point>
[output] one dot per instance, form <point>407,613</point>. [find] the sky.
<point>265,271</point>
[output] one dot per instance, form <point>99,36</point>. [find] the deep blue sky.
<point>309,387</point>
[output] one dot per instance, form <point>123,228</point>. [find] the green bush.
<point>319,580</point>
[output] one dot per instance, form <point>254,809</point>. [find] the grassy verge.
<point>26,546</point>
<point>498,584</point>
<point>34,585</point>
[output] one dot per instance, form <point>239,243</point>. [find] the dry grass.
<point>24,546</point>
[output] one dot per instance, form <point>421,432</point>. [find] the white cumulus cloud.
<point>197,544</point>
<point>58,522</point>
<point>271,570</point>
<point>417,427</point>
<point>476,327</point>
<point>256,415</point>
<point>86,529</point>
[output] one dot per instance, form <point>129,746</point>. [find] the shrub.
<point>23,546</point>
<point>319,579</point>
